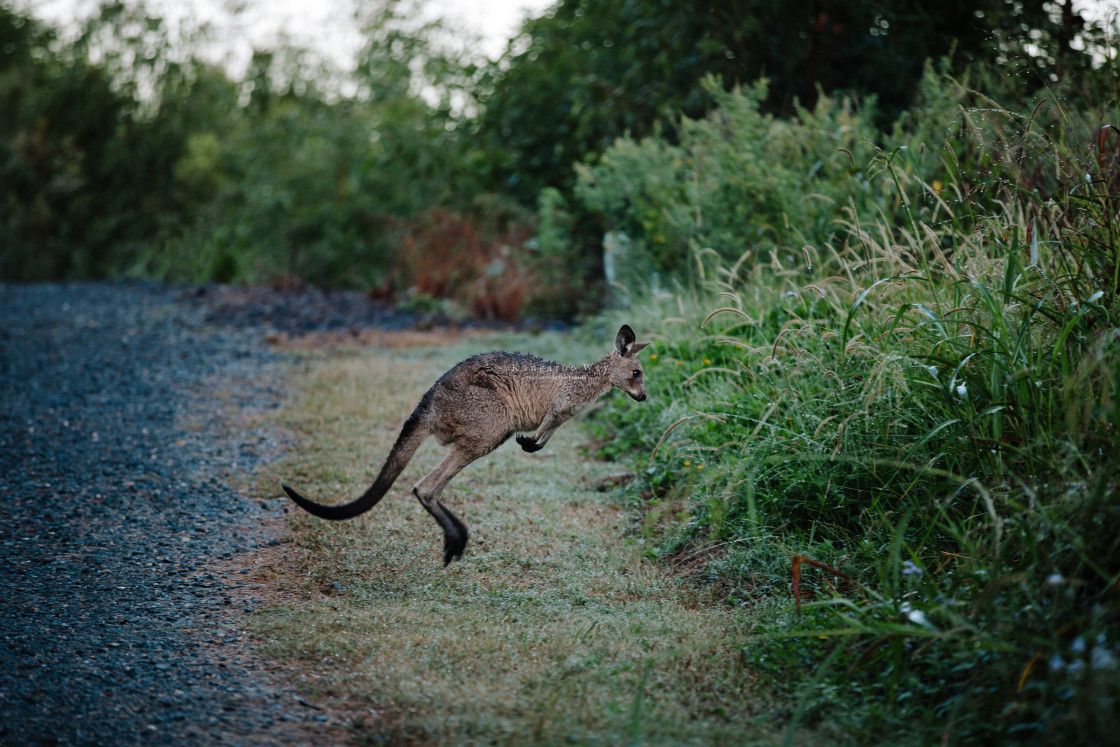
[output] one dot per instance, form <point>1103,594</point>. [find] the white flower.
<point>910,568</point>
<point>1095,297</point>
<point>932,371</point>
<point>962,391</point>
<point>915,616</point>
<point>1054,579</point>
<point>1102,658</point>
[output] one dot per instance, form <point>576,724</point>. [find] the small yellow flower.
<point>688,464</point>
<point>936,185</point>
<point>699,466</point>
<point>653,357</point>
<point>680,363</point>
<point>707,361</point>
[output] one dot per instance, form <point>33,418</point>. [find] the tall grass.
<point>927,404</point>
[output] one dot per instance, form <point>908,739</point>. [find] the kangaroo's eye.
<point>637,374</point>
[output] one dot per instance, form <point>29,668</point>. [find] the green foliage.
<point>309,185</point>
<point>150,161</point>
<point>85,173</point>
<point>741,186</point>
<point>737,178</point>
<point>125,153</point>
<point>928,402</point>
<point>591,71</point>
<point>566,275</point>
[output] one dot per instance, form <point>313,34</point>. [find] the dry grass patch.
<point>368,337</point>
<point>551,629</point>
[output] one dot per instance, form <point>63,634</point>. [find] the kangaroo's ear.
<point>624,340</point>
<point>637,347</point>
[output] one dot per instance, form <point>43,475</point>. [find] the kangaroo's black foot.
<point>528,444</point>
<point>453,547</point>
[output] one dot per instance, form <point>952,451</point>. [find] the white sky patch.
<point>496,20</point>
<point>326,27</point>
<point>1096,10</point>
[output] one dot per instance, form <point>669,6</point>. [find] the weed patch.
<point>926,403</point>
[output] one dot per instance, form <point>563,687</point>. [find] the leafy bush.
<point>152,162</point>
<point>86,174</point>
<point>478,266</point>
<point>738,178</point>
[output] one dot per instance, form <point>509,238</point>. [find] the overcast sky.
<point>326,26</point>
<point>322,25</point>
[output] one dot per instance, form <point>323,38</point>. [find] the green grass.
<point>553,628</point>
<point>930,405</point>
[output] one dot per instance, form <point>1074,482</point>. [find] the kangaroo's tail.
<point>413,433</point>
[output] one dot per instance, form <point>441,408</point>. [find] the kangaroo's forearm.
<point>547,427</point>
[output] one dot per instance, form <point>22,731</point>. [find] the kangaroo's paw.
<point>453,548</point>
<point>528,444</point>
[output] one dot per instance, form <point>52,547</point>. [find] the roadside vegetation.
<point>903,405</point>
<point>424,173</point>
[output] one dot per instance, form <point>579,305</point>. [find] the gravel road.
<point>128,417</point>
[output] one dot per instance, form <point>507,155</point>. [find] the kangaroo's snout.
<point>626,371</point>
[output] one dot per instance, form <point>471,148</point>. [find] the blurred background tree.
<point>85,171</point>
<point>591,71</point>
<point>123,152</point>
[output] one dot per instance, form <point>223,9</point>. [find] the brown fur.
<point>476,406</point>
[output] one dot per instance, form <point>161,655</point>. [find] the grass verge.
<point>552,629</point>
<point>924,409</point>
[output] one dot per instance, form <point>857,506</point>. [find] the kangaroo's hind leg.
<point>455,534</point>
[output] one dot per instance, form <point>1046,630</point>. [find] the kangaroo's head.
<point>626,369</point>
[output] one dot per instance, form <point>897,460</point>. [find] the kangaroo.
<point>476,406</point>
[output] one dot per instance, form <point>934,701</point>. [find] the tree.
<point>83,171</point>
<point>593,70</point>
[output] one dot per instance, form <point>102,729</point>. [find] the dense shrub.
<point>927,403</point>
<point>737,179</point>
<point>477,263</point>
<point>86,175</point>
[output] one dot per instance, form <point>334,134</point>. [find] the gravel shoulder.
<point>131,416</point>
